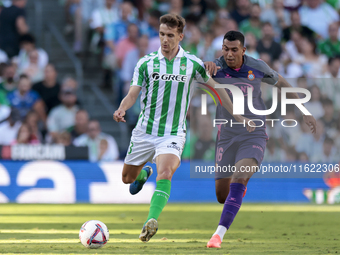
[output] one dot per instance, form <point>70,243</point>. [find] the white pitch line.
<point>112,232</point>
<point>114,241</point>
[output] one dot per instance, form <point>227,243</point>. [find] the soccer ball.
<point>93,234</point>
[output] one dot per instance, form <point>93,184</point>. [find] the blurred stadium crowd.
<point>299,39</point>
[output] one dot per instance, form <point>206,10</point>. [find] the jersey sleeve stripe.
<point>153,103</point>
<point>138,75</point>
<point>189,87</point>
<point>145,99</point>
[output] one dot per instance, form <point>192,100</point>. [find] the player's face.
<point>169,37</point>
<point>233,53</point>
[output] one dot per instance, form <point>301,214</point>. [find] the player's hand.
<point>119,115</point>
<point>250,125</point>
<point>311,122</point>
<point>211,67</point>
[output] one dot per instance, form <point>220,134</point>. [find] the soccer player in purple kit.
<point>235,146</point>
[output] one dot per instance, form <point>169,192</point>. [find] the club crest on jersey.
<point>183,67</point>
<point>156,66</point>
<point>168,77</point>
<point>251,76</point>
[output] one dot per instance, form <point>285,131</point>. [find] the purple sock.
<point>232,204</point>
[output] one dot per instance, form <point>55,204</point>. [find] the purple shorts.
<point>227,155</point>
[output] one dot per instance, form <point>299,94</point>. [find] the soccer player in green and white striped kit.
<point>166,80</point>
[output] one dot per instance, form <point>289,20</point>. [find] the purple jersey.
<point>251,74</point>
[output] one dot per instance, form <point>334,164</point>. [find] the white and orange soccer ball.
<point>94,234</point>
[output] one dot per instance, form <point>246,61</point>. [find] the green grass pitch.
<point>183,229</point>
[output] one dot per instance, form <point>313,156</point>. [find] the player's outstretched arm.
<point>126,103</point>
<point>228,105</point>
<point>308,119</point>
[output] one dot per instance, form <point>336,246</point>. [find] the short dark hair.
<point>266,23</point>
<point>27,38</point>
<point>173,20</point>
<point>155,13</point>
<point>234,36</point>
<point>23,76</point>
<point>332,59</point>
<point>326,101</point>
<point>328,140</point>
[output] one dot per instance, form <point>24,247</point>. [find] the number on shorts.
<point>130,148</point>
<point>219,154</point>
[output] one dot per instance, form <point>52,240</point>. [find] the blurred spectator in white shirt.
<point>27,45</point>
<point>294,46</point>
<point>223,26</point>
<point>313,64</point>
<point>278,17</point>
<point>100,18</point>
<point>104,16</point>
<point>317,15</point>
<point>328,119</point>
<point>329,153</point>
<point>131,60</point>
<point>9,129</point>
<point>312,144</point>
<point>250,44</point>
<point>98,149</point>
<point>273,152</point>
<point>329,82</point>
<point>3,57</point>
<point>33,70</point>
<point>5,111</point>
<point>314,105</point>
<point>62,117</point>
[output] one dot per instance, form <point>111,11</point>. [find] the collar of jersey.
<point>179,54</point>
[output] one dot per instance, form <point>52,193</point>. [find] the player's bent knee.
<point>221,198</point>
<point>241,180</point>
<point>165,174</point>
<point>127,179</point>
<point>222,195</point>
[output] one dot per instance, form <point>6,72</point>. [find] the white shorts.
<point>145,148</point>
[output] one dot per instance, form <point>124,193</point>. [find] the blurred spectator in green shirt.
<point>253,24</point>
<point>331,46</point>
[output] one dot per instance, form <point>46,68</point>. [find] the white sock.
<point>220,231</point>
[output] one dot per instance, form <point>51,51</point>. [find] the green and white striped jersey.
<point>167,87</point>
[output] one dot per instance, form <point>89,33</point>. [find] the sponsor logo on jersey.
<point>173,145</point>
<point>169,77</point>
<point>251,76</point>
<point>257,147</point>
